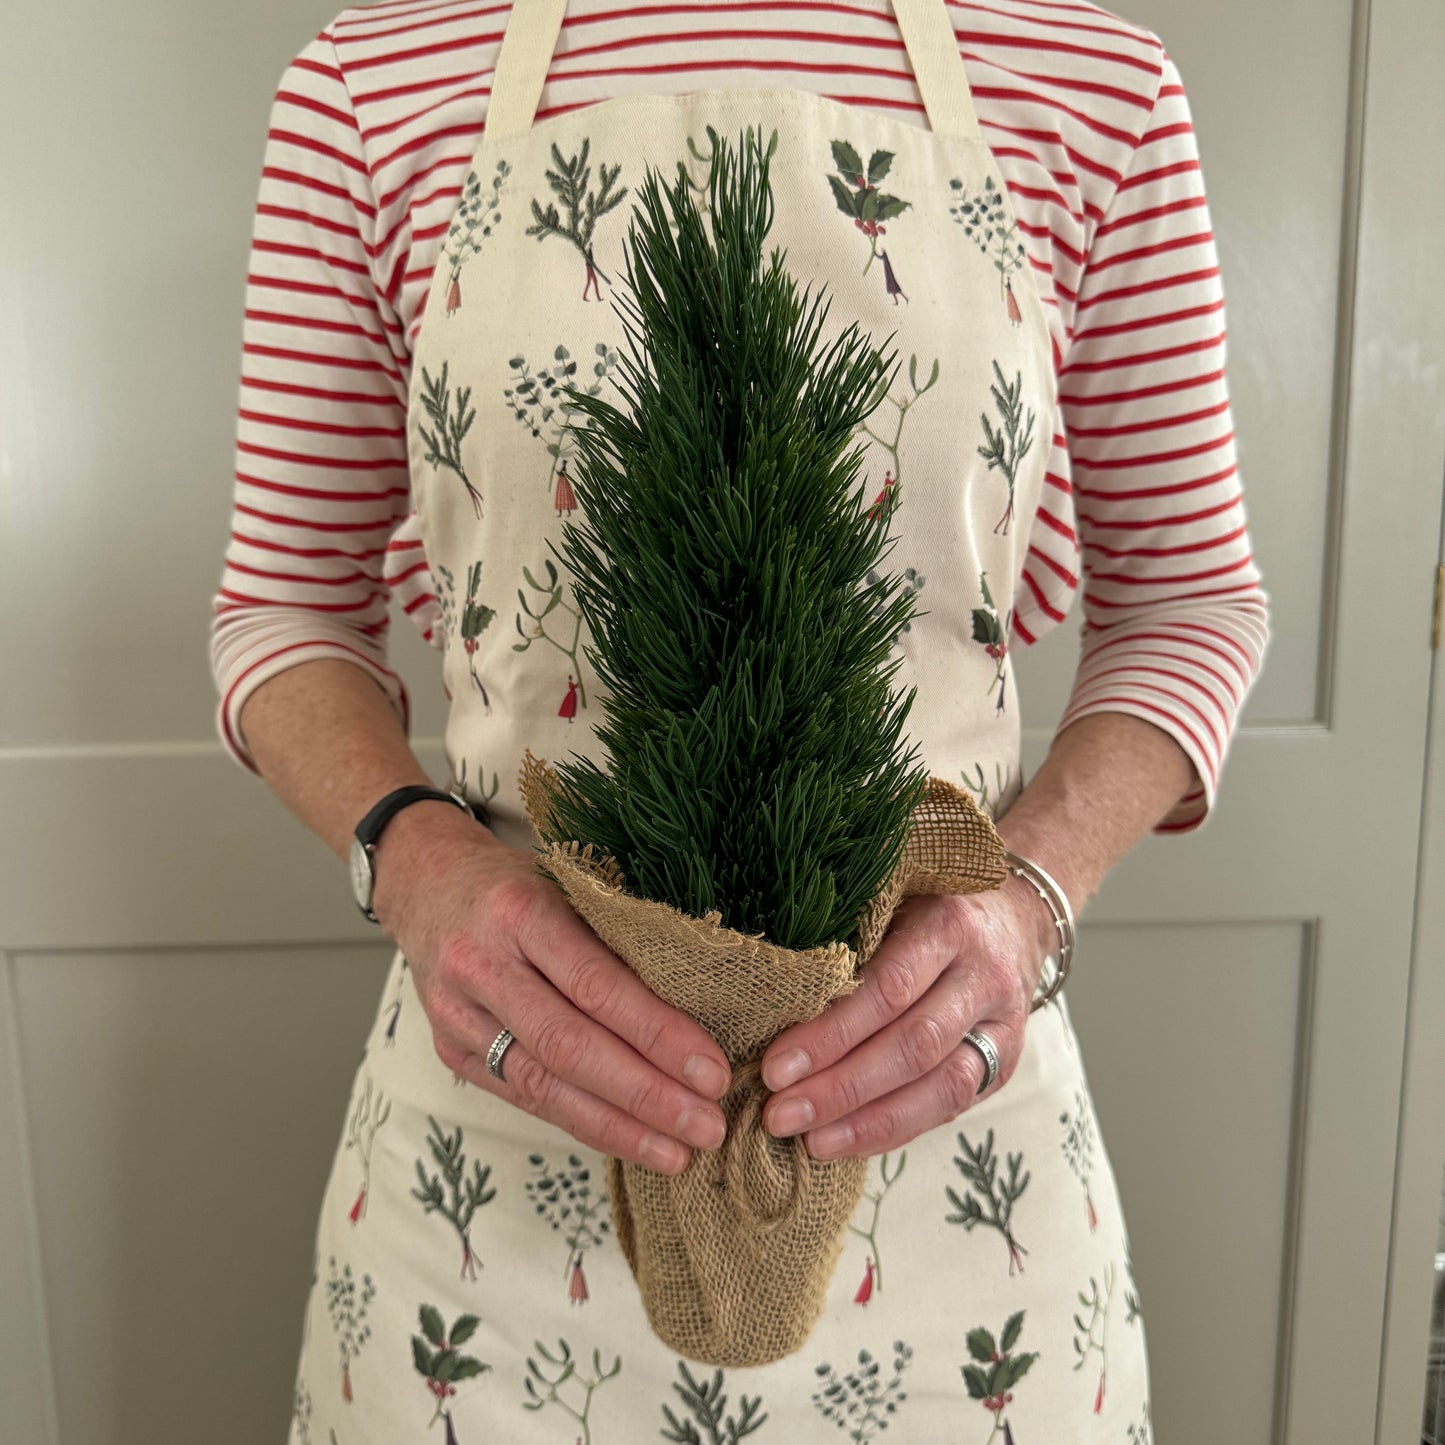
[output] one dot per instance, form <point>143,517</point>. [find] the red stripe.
<point>1091,600</point>
<point>310,581</point>
<point>1120,398</point>
<point>1129,639</point>
<point>1177,677</point>
<point>396,579</point>
<point>1188,418</point>
<point>1148,459</point>
<point>313,424</point>
<point>1057,568</point>
<point>318,393</point>
<point>362,556</point>
<point>1208,544</point>
<point>242,600</point>
<point>304,524</point>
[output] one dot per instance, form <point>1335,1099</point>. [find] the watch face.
<point>361,875</point>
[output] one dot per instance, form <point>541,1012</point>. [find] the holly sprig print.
<point>567,1371</point>
<point>986,224</point>
<point>1010,444</point>
<point>860,1400</point>
<point>873,1277</point>
<point>461,1197</point>
<point>347,1308</point>
<point>439,1361</point>
<point>1086,1342</point>
<point>901,404</point>
<point>855,190</point>
<point>539,401</point>
<point>553,594</point>
<point>980,1168</point>
<point>997,1369</point>
<point>993,634</point>
<point>361,1135</point>
<point>707,1403</point>
<point>475,218</point>
<point>444,445</point>
<point>564,1198</point>
<point>1078,1148</point>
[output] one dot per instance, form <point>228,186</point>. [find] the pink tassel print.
<point>454,294</point>
<point>1013,305</point>
<point>1099,1398</point>
<point>360,1204</point>
<point>577,1290</point>
<point>865,1290</point>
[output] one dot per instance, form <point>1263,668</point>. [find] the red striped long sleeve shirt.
<point>372,130</point>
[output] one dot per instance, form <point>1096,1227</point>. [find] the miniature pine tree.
<point>720,562</point>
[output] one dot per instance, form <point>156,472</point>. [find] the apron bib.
<point>985,1291</point>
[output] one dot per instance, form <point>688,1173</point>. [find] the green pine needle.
<point>757,763</point>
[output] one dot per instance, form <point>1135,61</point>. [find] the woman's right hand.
<point>494,944</point>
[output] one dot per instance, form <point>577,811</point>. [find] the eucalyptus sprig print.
<point>873,1266</point>
<point>440,1362</point>
<point>756,765</point>
<point>707,1402</point>
<point>860,1402</point>
<point>1007,446</point>
<point>992,632</point>
<point>368,1116</point>
<point>301,1412</point>
<point>564,1198</point>
<point>545,1389</point>
<point>980,1168</point>
<point>893,480</point>
<point>996,1370</point>
<point>476,216</point>
<point>986,224</point>
<point>1078,1146</point>
<point>347,1307</point>
<point>911,583</point>
<point>584,206</point>
<point>540,403</point>
<point>856,193</point>
<point>461,1197</point>
<point>444,445</point>
<point>1086,1342</point>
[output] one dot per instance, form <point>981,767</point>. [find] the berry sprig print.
<point>980,1168</point>
<point>475,218</point>
<point>873,1266</point>
<point>893,478</point>
<point>997,1369</point>
<point>702,197</point>
<point>576,693</point>
<point>462,1197</point>
<point>1078,1147</point>
<point>860,1402</point>
<point>440,1362</point>
<point>992,632</point>
<point>475,618</point>
<point>1010,444</point>
<point>985,224</point>
<point>707,1403</point>
<point>567,1370</point>
<point>444,445</point>
<point>1086,1342</point>
<point>347,1308</point>
<point>1002,773</point>
<point>855,190</point>
<point>369,1115</point>
<point>539,402</point>
<point>584,207</point>
<point>563,1197</point>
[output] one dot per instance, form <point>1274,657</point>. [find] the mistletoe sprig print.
<point>1010,444</point>
<point>986,224</point>
<point>361,1135</point>
<point>873,1266</point>
<point>996,1370</point>
<point>1002,773</point>
<point>444,445</point>
<point>461,1197</point>
<point>475,219</point>
<point>564,1198</point>
<point>980,1168</point>
<point>440,1362</point>
<point>552,592</point>
<point>347,1307</point>
<point>1086,1341</point>
<point>702,190</point>
<point>545,1390</point>
<point>855,190</point>
<point>476,798</point>
<point>893,480</point>
<point>707,1403</point>
<point>584,207</point>
<point>539,401</point>
<point>992,632</point>
<point>860,1402</point>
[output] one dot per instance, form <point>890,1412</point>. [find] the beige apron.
<point>466,1273</point>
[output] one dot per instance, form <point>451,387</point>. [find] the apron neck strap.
<point>531,38</point>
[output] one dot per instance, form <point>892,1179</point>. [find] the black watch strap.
<point>368,830</point>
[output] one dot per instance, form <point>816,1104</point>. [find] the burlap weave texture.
<point>734,1256</point>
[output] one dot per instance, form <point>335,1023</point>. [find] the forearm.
<point>1107,780</point>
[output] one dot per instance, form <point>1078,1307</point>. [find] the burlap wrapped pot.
<point>733,1257</point>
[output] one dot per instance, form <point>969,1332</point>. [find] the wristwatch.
<point>368,831</point>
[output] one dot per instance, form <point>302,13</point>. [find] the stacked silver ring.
<point>985,1046</point>
<point>500,1044</point>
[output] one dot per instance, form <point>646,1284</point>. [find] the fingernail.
<point>786,1070</point>
<point>796,1114</point>
<point>663,1153</point>
<point>702,1128</point>
<point>833,1139</point>
<point>706,1075</point>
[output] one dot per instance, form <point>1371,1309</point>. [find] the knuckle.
<point>923,1043</point>
<point>895,981</point>
<point>962,1074</point>
<point>594,986</point>
<point>511,906</point>
<point>560,1042</point>
<point>851,1093</point>
<point>448,1051</point>
<point>532,1080</point>
<point>646,1101</point>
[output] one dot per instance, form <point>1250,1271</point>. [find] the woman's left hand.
<point>887,1062</point>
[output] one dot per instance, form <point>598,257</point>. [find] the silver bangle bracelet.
<point>1057,902</point>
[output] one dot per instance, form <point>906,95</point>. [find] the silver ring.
<point>499,1047</point>
<point>986,1047</point>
